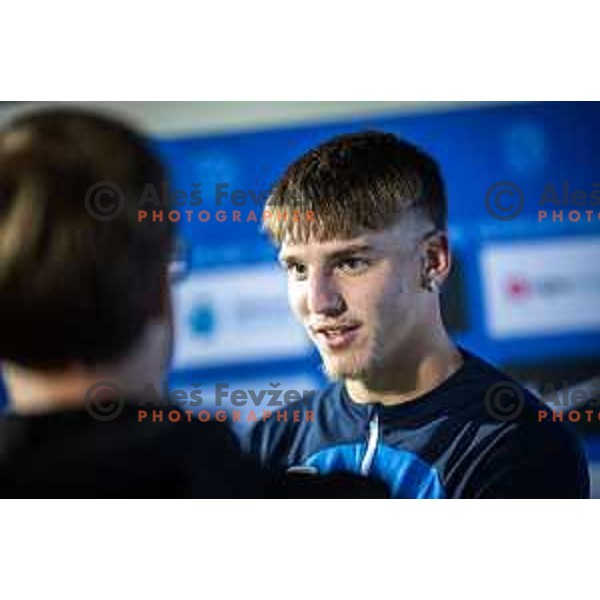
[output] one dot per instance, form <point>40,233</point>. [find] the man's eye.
<point>354,265</point>
<point>296,270</point>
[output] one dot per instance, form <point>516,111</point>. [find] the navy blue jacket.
<point>467,438</point>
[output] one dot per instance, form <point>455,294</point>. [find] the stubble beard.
<point>359,363</point>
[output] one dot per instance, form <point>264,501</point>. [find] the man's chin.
<point>337,369</point>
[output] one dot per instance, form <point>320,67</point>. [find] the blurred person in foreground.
<point>407,406</point>
<point>85,298</point>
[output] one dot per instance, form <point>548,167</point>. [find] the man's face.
<point>359,299</point>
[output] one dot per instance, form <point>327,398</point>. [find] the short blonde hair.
<point>355,182</point>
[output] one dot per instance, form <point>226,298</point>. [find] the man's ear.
<point>438,259</point>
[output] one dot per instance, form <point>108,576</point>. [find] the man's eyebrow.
<point>286,258</point>
<point>335,255</point>
<point>349,251</point>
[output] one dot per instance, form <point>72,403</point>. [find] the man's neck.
<point>38,391</point>
<point>415,373</point>
<point>32,392</point>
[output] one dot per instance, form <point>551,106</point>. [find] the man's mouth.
<point>336,337</point>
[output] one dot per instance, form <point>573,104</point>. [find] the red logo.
<point>518,288</point>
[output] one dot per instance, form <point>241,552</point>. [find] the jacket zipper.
<point>372,441</point>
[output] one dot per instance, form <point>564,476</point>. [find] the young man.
<point>407,407</point>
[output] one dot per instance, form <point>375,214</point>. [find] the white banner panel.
<point>235,316</point>
<point>541,287</point>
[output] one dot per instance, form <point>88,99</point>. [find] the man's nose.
<point>323,295</point>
